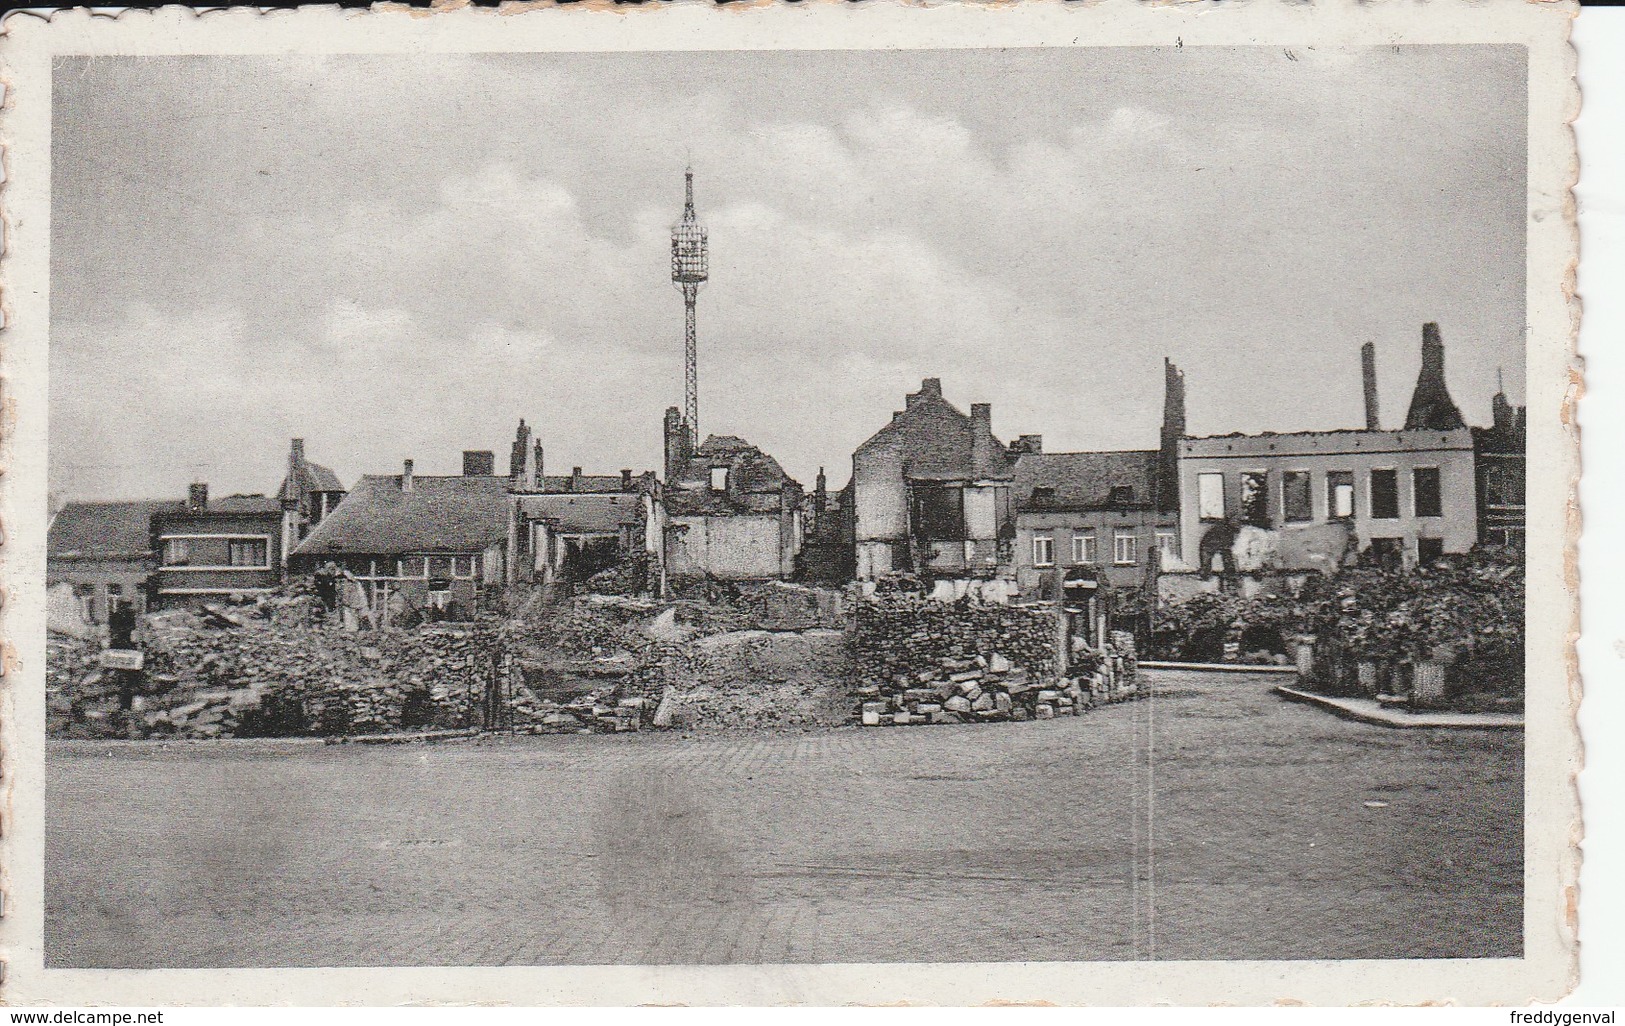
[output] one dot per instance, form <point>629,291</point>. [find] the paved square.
<point>1212,820</point>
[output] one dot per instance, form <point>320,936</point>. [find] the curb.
<point>1151,664</point>
<point>1384,718</point>
<point>402,739</point>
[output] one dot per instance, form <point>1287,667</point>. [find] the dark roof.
<point>228,505</point>
<point>1084,480</point>
<point>313,478</point>
<point>587,483</point>
<point>756,483</point>
<point>439,514</point>
<point>105,530</point>
<point>722,444</point>
<point>585,512</point>
<point>938,442</point>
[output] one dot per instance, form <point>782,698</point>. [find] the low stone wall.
<point>918,660</point>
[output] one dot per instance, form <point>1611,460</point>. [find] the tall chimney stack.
<point>1173,432</point>
<point>1368,376</point>
<point>197,497</point>
<point>1432,408</point>
<point>406,476</point>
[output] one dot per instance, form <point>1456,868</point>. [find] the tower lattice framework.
<point>690,252</point>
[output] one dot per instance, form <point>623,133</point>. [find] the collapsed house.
<point>564,529</point>
<point>931,492</point>
<point>731,510</point>
<point>1310,501</point>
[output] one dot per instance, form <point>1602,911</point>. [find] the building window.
<point>464,567</point>
<point>1425,492</point>
<point>177,552</point>
<point>1083,548</point>
<point>1043,494</point>
<point>1168,546</point>
<point>939,512</point>
<point>1340,495</point>
<point>1043,550</point>
<point>1121,495</point>
<point>1385,495</point>
<point>719,479</point>
<point>1255,498</point>
<point>439,567</point>
<point>1210,496</point>
<point>1296,505</point>
<point>1125,547</point>
<point>248,552</point>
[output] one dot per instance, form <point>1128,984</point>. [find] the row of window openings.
<point>1125,548</point>
<point>1297,505</point>
<point>248,553</point>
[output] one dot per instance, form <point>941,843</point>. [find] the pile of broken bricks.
<point>964,690</point>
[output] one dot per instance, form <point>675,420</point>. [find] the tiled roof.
<point>1084,480</point>
<point>439,514</point>
<point>316,478</point>
<point>234,504</point>
<point>105,530</point>
<point>939,443</point>
<point>756,482</point>
<point>587,483</point>
<point>715,444</point>
<point>585,512</point>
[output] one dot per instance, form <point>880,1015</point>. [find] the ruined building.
<point>731,510</point>
<point>1311,500</point>
<point>931,492</point>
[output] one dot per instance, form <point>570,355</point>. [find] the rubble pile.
<point>752,679</point>
<point>262,669</point>
<point>923,661</point>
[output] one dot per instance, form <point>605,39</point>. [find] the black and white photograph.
<point>751,506</point>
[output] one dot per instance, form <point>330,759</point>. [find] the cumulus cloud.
<point>400,257</point>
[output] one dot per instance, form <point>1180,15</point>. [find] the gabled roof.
<point>722,444</point>
<point>756,483</point>
<point>227,505</point>
<point>938,442</point>
<point>313,478</point>
<point>105,530</point>
<point>585,511</point>
<point>439,514</point>
<point>1084,480</point>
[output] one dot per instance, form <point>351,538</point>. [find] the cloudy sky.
<point>400,257</point>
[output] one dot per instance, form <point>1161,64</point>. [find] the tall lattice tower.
<point>689,258</point>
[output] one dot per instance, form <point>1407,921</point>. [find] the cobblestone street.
<point>1213,820</point>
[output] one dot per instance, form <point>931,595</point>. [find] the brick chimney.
<point>197,497</point>
<point>930,388</point>
<point>537,477</point>
<point>626,480</point>
<point>575,479</point>
<point>479,463</point>
<point>1028,443</point>
<point>521,459</point>
<point>1368,378</point>
<point>678,444</point>
<point>981,436</point>
<point>406,476</point>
